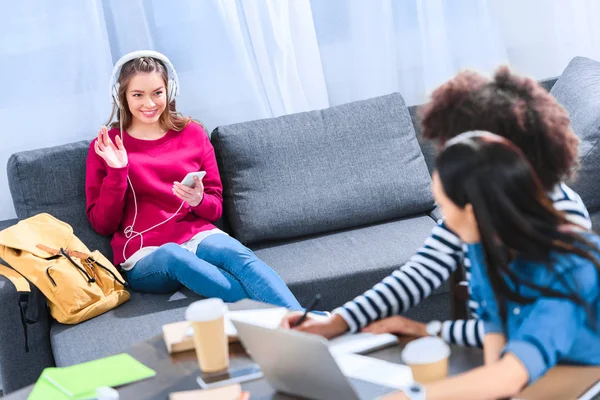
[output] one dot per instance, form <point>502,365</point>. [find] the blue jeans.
<point>222,267</point>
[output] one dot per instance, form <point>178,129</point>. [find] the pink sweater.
<point>153,167</point>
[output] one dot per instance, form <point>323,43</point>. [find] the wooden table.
<point>178,372</point>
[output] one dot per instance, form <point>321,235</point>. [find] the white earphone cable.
<point>129,231</point>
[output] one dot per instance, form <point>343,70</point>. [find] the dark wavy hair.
<point>513,212</point>
<point>514,107</point>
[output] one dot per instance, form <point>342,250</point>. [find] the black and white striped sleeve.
<point>406,287</point>
<point>462,332</point>
<point>569,202</point>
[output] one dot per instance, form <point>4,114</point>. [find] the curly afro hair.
<point>512,106</point>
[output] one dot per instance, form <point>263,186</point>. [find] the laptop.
<point>302,364</point>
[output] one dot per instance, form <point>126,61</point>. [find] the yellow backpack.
<point>78,284</point>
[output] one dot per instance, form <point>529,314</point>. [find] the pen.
<point>309,309</point>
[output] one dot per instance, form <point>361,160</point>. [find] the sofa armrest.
<point>8,222</point>
<point>18,367</point>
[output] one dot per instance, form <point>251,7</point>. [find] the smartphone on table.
<point>237,375</point>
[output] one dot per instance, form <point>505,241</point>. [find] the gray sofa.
<point>333,200</point>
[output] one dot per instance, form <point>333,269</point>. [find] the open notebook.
<point>179,335</point>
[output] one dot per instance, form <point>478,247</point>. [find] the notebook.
<point>360,343</point>
<point>565,382</point>
<point>178,336</point>
<point>372,370</point>
<point>44,390</point>
<point>81,381</point>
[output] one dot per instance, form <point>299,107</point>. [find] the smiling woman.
<point>142,91</point>
<point>163,235</point>
<point>146,104</point>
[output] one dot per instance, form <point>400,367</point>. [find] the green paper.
<point>44,390</point>
<point>81,381</point>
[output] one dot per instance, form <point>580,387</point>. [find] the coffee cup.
<point>427,358</point>
<point>207,318</point>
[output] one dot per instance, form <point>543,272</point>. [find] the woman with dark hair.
<point>534,273</point>
<point>514,107</point>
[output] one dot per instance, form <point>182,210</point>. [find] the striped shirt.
<point>429,268</point>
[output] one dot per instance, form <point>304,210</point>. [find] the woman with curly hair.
<point>514,107</point>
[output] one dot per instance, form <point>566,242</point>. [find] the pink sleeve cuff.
<point>117,176</point>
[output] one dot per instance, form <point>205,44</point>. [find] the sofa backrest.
<point>302,174</point>
<point>578,91</point>
<point>52,180</point>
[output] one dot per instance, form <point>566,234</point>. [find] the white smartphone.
<point>238,375</point>
<point>189,178</point>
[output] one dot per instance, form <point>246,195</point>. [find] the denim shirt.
<point>549,330</point>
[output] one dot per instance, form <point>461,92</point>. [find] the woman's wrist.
<point>338,325</point>
<point>192,207</point>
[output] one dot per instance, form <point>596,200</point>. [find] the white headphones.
<point>472,134</point>
<point>172,91</point>
<point>172,84</point>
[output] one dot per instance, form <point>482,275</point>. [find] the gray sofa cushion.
<point>52,180</point>
<point>314,172</point>
<point>548,83</point>
<point>427,146</point>
<point>578,90</point>
<point>8,223</point>
<point>344,264</point>
<point>595,216</point>
<point>141,318</point>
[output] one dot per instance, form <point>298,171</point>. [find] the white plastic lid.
<point>425,350</point>
<point>205,310</point>
<point>107,393</point>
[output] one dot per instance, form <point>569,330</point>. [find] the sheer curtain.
<point>55,64</point>
<point>378,47</point>
<point>240,60</point>
<point>541,37</point>
<point>411,46</point>
<point>236,60</point>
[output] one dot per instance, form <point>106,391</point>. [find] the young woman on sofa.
<point>163,236</point>
<point>535,275</point>
<point>514,107</point>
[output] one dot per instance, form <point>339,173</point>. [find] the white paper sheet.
<point>268,318</point>
<point>359,343</point>
<point>375,371</point>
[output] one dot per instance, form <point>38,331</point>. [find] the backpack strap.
<point>16,278</point>
<point>61,251</point>
<point>24,289</point>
